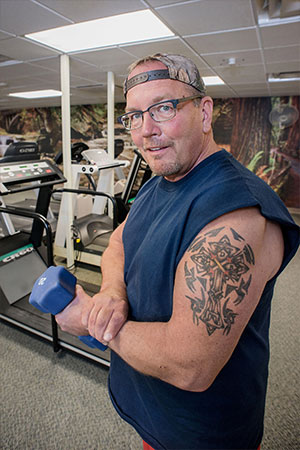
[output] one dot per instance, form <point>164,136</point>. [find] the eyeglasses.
<point>160,112</point>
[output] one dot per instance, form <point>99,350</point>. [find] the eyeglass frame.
<point>174,102</point>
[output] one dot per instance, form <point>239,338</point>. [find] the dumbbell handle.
<point>92,342</point>
<point>53,291</point>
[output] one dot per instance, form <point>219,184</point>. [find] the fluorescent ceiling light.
<point>114,30</point>
<point>212,81</point>
<point>37,94</point>
<point>282,80</point>
<point>284,76</point>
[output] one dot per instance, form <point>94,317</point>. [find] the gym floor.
<point>60,401</point>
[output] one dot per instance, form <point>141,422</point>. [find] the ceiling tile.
<point>17,71</point>
<point>48,80</point>
<point>105,57</point>
<point>38,103</point>
<point>22,16</point>
<point>222,42</point>
<point>89,96</point>
<point>166,46</point>
<point>219,91</point>
<point>252,89</point>
<point>4,35</point>
<point>244,74</point>
<point>249,86</point>
<point>282,54</point>
<point>93,78</point>
<point>241,58</point>
<point>48,63</point>
<point>80,11</point>
<point>283,89</point>
<point>279,35</point>
<point>82,69</point>
<point>96,95</point>
<point>23,50</point>
<point>26,86</point>
<point>78,77</point>
<point>207,72</point>
<point>286,66</point>
<point>208,16</point>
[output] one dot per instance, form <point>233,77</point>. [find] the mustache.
<point>155,143</point>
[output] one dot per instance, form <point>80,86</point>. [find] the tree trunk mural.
<point>251,131</point>
<point>292,144</point>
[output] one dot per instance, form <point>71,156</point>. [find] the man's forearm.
<point>110,309</point>
<point>112,265</point>
<point>143,346</point>
<point>112,269</point>
<point>160,350</point>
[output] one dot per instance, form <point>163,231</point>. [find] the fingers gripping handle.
<point>53,291</point>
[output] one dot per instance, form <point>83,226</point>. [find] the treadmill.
<point>24,256</point>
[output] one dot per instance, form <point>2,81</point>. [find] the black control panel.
<point>23,172</point>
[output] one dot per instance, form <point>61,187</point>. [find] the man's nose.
<point>149,126</point>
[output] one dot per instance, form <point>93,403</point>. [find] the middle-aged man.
<point>188,278</point>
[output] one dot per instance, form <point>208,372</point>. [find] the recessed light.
<point>212,81</point>
<point>37,94</point>
<point>115,30</point>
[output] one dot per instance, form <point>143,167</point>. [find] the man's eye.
<point>135,116</point>
<point>165,107</point>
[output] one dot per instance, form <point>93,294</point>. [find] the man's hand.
<point>107,316</point>
<point>70,319</point>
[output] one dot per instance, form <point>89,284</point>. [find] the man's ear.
<point>207,110</point>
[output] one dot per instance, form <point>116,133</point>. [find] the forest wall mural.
<point>241,125</point>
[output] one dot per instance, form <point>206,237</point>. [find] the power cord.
<point>77,238</point>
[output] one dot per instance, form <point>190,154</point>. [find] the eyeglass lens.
<point>159,113</point>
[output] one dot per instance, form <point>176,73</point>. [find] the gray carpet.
<point>51,401</point>
<point>60,402</point>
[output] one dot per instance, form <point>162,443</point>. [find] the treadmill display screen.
<point>25,172</point>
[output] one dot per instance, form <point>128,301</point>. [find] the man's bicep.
<point>218,271</point>
<point>218,284</point>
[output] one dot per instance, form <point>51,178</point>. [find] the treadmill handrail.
<point>91,192</point>
<point>33,186</point>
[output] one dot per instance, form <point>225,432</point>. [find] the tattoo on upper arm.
<point>217,268</point>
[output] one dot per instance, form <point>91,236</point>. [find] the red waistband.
<point>147,446</point>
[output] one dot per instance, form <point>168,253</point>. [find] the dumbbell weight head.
<point>53,291</point>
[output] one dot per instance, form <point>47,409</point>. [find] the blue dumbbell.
<point>53,291</point>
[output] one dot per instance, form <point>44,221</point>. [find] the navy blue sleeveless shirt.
<point>163,221</point>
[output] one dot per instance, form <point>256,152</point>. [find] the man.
<point>188,277</point>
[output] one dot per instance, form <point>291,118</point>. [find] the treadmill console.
<point>20,172</point>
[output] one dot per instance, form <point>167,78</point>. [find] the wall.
<point>241,125</point>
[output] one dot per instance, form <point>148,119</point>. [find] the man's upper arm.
<point>218,284</point>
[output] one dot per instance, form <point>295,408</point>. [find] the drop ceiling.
<point>241,41</point>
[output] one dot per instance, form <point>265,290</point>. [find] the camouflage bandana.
<point>179,68</point>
